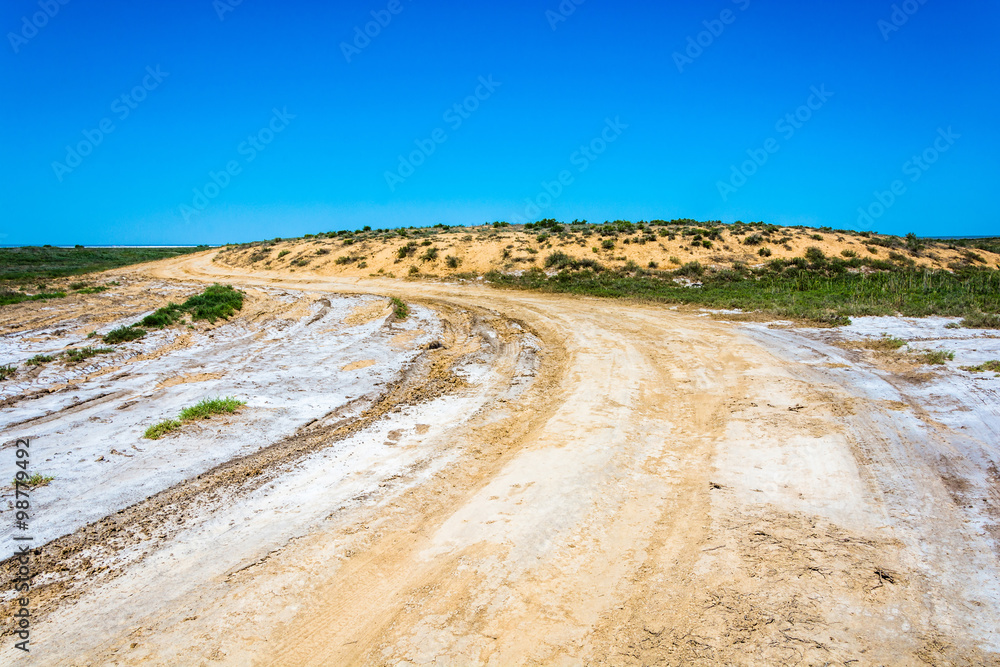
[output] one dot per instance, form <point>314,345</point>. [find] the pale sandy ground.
<point>607,483</point>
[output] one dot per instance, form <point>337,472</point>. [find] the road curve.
<point>669,490</point>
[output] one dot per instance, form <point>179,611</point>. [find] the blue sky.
<point>313,132</point>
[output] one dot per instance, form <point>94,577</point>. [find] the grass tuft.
<point>157,431</point>
<point>211,406</point>
<point>399,309</point>
<point>123,335</point>
<point>39,359</point>
<point>76,355</point>
<point>32,481</point>
<point>992,366</point>
<point>937,357</point>
<point>218,301</point>
<point>981,321</point>
<point>7,372</point>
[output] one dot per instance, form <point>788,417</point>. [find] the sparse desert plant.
<point>608,244</point>
<point>937,357</point>
<point>764,252</point>
<point>284,253</point>
<point>691,269</point>
<point>815,255</point>
<point>884,343</point>
<point>399,309</point>
<point>991,366</point>
<point>76,355</point>
<point>452,262</point>
<point>157,431</point>
<point>430,255</point>
<point>31,481</point>
<point>7,372</point>
<point>675,260</point>
<point>210,407</point>
<point>981,321</point>
<point>123,335</point>
<point>414,270</point>
<point>39,359</point>
<point>653,265</point>
<point>850,254</point>
<point>753,239</point>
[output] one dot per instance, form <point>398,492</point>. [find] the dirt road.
<point>663,489</point>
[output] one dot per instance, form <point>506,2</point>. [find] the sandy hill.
<point>658,245</point>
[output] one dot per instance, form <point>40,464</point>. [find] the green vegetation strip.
<point>203,410</point>
<point>218,301</point>
<point>992,366</point>
<point>32,263</point>
<point>819,289</point>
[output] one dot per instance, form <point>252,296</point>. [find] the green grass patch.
<point>76,355</point>
<point>218,301</point>
<point>123,335</point>
<point>32,481</point>
<point>823,291</point>
<point>157,431</point>
<point>203,410</point>
<point>211,406</point>
<point>39,359</point>
<point>399,309</point>
<point>8,297</point>
<point>7,372</point>
<point>980,321</point>
<point>33,262</point>
<point>93,290</point>
<point>937,357</point>
<point>992,366</point>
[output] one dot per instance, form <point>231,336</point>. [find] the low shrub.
<point>399,309</point>
<point>937,357</point>
<point>7,372</point>
<point>157,431</point>
<point>39,359</point>
<point>992,366</point>
<point>76,355</point>
<point>211,406</point>
<point>123,335</point>
<point>981,321</point>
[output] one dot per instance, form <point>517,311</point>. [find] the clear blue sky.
<point>895,92</point>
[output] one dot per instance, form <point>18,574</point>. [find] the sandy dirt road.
<point>669,489</point>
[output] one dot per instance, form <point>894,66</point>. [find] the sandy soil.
<point>556,480</point>
<point>478,250</point>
